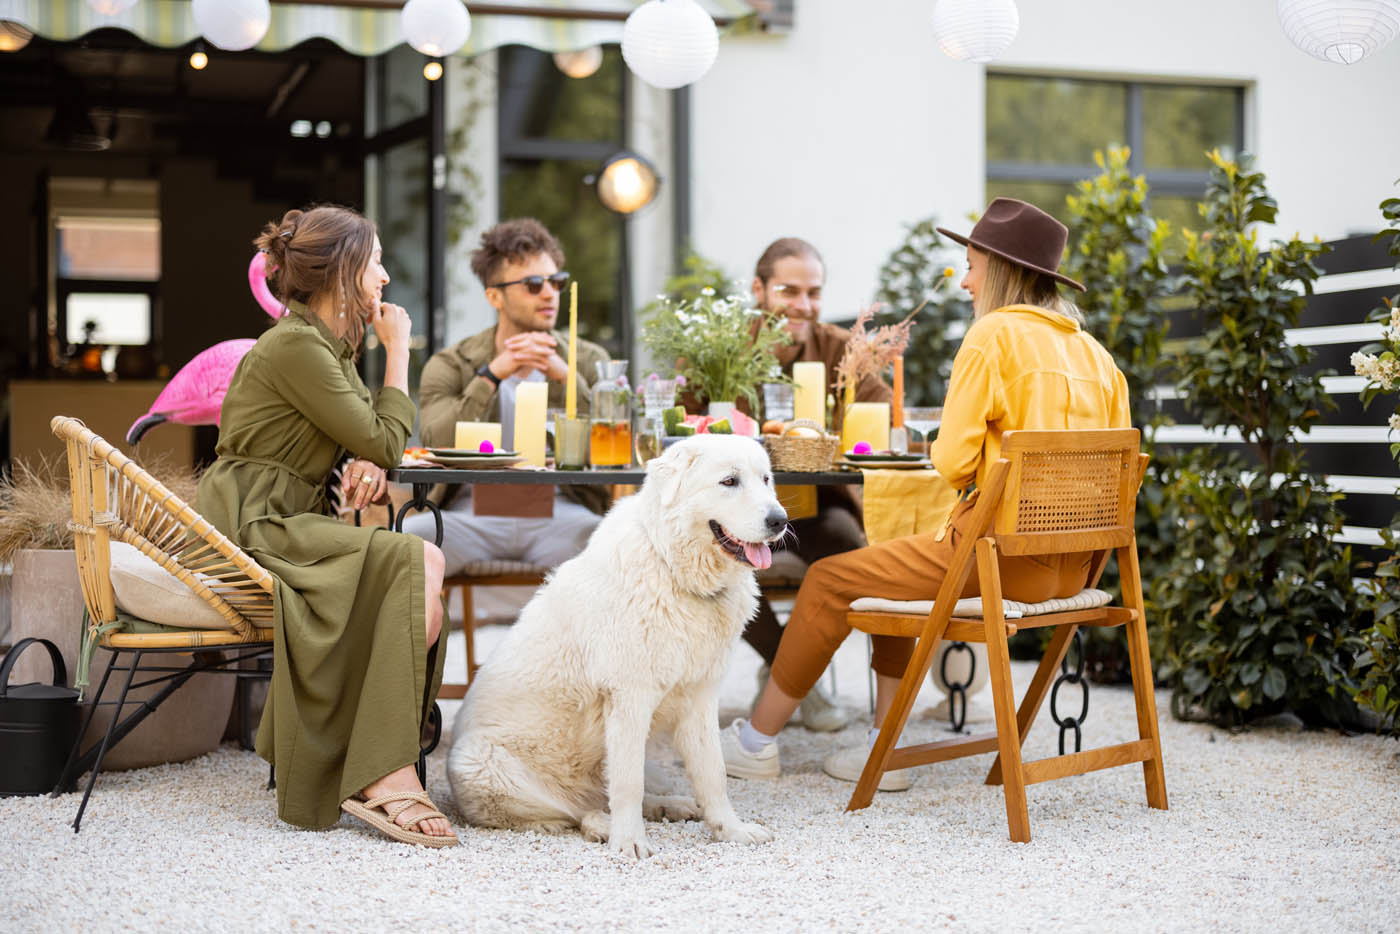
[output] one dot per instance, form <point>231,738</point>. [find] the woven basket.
<point>804,455</point>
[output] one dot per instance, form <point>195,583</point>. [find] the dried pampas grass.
<point>870,350</point>
<point>35,507</point>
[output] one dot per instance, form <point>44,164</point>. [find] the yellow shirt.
<point>1023,367</point>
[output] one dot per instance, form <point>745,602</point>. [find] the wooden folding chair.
<point>113,497</point>
<point>1052,492</point>
<point>483,574</point>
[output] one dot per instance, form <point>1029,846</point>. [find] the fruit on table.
<point>672,417</point>
<point>772,427</point>
<point>721,427</point>
<point>683,431</point>
<point>486,447</point>
<point>861,447</point>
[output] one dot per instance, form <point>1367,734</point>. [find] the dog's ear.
<point>664,472</point>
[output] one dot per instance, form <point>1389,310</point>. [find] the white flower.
<point>1395,421</point>
<point>1364,364</point>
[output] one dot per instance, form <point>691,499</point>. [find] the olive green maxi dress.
<point>352,678</point>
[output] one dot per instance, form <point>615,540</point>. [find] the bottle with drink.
<point>610,441</point>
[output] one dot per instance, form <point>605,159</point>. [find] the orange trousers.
<point>910,568</point>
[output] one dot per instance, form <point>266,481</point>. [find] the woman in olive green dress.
<point>356,663</point>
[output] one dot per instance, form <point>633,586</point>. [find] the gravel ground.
<point>1272,829</point>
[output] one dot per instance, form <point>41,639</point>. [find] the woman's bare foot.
<point>406,779</point>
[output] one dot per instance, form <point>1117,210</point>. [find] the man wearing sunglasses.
<point>788,281</point>
<point>519,263</point>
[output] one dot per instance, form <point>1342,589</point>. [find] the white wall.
<point>855,124</point>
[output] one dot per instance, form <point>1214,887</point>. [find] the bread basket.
<point>801,455</point>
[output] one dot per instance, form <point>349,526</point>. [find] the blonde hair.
<point>1007,283</point>
<point>322,250</point>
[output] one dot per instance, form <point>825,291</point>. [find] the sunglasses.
<point>533,284</point>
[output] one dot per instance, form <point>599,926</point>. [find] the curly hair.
<point>513,241</point>
<point>322,250</point>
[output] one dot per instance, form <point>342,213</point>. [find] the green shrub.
<point>1378,665</point>
<point>1117,251</point>
<point>1256,612</point>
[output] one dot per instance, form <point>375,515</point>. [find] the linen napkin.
<point>905,502</point>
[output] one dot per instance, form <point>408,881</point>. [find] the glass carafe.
<point>610,442</point>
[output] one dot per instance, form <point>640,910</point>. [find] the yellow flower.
<point>949,272</point>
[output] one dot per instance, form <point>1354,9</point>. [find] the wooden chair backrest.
<point>114,496</point>
<point>1068,491</point>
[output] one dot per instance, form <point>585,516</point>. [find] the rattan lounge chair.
<point>113,498</point>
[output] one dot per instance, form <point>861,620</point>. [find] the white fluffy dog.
<point>629,636</point>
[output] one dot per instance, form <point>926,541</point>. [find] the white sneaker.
<point>739,762</point>
<point>847,764</point>
<point>820,713</point>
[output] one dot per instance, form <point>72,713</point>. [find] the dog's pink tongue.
<point>760,556</point>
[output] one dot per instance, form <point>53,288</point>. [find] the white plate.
<point>476,461</point>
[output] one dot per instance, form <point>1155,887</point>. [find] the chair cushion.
<point>147,590</point>
<point>971,607</point>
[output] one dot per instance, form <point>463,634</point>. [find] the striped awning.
<point>550,25</point>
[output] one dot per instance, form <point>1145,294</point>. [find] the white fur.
<point>629,636</point>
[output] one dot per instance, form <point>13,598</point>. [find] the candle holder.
<point>571,442</point>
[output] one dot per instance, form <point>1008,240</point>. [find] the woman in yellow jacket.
<point>1025,363</point>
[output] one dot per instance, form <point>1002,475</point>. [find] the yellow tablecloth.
<point>905,502</point>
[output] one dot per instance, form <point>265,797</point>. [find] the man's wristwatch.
<point>485,370</point>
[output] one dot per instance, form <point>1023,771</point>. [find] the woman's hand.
<point>392,326</point>
<point>363,483</point>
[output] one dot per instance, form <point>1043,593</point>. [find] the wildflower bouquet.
<point>722,345</point>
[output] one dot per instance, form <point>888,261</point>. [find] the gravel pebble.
<point>1269,829</point>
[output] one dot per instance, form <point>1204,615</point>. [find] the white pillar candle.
<point>530,399</point>
<point>469,435</point>
<point>809,391</point>
<point>869,422</point>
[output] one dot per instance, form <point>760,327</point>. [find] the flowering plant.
<point>869,350</point>
<point>723,346</point>
<point>1382,370</point>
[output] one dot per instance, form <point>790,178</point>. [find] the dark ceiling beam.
<point>295,78</point>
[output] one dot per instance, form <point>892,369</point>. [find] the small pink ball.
<point>487,447</point>
<point>861,447</point>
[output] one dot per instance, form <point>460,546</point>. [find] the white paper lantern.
<point>111,7</point>
<point>232,25</point>
<point>1340,31</point>
<point>975,30</point>
<point>669,43</point>
<point>436,27</point>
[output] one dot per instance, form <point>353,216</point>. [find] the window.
<point>555,132</point>
<point>106,277</point>
<point>1042,133</point>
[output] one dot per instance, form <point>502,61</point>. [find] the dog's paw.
<point>594,826</point>
<point>670,807</point>
<point>743,832</point>
<point>635,846</point>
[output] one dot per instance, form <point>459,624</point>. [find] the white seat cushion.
<point>147,590</point>
<point>971,607</point>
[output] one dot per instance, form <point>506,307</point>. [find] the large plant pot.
<point>47,602</point>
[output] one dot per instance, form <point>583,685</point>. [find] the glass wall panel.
<point>1184,123</point>
<point>1052,120</point>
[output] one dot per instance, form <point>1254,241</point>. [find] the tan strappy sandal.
<point>382,812</point>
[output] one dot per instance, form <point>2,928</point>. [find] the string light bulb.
<point>432,70</point>
<point>199,58</point>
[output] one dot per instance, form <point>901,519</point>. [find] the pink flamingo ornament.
<point>195,394</point>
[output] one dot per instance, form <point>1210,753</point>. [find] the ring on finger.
<point>366,478</point>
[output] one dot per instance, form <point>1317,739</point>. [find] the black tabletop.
<point>592,477</point>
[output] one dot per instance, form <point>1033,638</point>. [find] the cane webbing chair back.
<point>1050,493</point>
<point>113,497</point>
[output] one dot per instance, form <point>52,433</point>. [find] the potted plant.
<point>47,602</point>
<point>722,345</point>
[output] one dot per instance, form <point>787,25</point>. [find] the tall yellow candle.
<point>897,405</point>
<point>809,391</point>
<point>571,387</point>
<point>530,401</point>
<point>869,422</point>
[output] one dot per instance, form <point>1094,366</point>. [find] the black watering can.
<point>38,724</point>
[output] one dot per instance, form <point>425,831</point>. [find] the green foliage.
<point>721,344</point>
<point>1256,612</point>
<point>1119,256</point>
<point>1378,665</point>
<point>918,275</point>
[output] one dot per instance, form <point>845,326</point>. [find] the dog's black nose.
<point>775,521</point>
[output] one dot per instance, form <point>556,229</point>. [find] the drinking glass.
<point>923,420</point>
<point>570,443</point>
<point>777,402</point>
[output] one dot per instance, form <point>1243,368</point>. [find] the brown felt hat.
<point>1020,233</point>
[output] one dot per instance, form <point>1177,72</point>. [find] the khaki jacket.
<point>451,392</point>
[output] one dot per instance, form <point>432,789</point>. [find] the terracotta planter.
<point>46,602</point>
